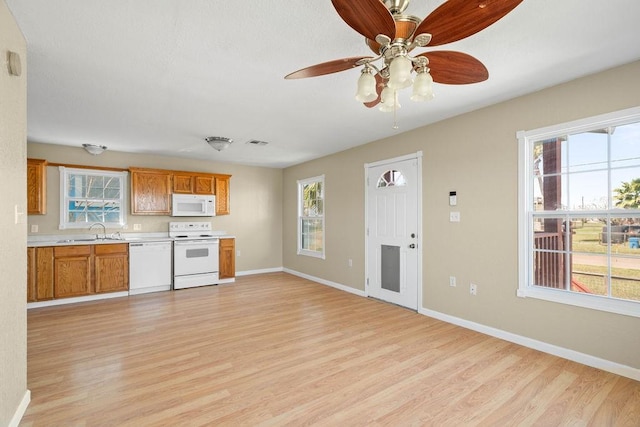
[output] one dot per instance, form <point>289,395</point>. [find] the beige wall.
<point>255,200</point>
<point>476,155</point>
<point>13,260</point>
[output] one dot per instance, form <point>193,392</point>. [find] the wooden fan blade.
<point>456,19</point>
<point>368,17</point>
<point>326,68</point>
<point>455,68</point>
<point>379,87</point>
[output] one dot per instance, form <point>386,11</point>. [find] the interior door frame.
<point>413,156</point>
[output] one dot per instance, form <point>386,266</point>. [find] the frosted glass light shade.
<point>400,72</point>
<point>366,88</point>
<point>389,100</point>
<point>422,87</point>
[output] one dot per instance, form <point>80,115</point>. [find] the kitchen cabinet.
<point>222,194</point>
<point>76,270</point>
<point>72,271</point>
<point>182,183</point>
<point>31,274</point>
<point>193,183</point>
<point>36,187</point>
<point>204,184</point>
<point>150,191</point>
<point>227,258</point>
<point>111,267</point>
<point>39,274</point>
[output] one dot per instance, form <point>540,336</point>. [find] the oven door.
<point>195,257</point>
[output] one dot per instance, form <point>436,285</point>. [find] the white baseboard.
<point>20,410</point>
<point>565,353</point>
<point>63,301</point>
<point>326,282</point>
<point>264,270</point>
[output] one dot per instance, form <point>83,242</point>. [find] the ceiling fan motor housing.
<point>405,27</point>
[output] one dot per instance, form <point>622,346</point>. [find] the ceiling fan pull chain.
<point>395,109</point>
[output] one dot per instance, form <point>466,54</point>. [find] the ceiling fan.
<point>391,36</point>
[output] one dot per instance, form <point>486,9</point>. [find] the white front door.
<point>392,231</point>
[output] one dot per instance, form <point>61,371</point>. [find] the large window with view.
<point>311,217</point>
<point>88,196</point>
<point>580,213</point>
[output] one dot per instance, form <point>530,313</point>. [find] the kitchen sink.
<point>76,240</point>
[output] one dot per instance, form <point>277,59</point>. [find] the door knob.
<point>413,235</point>
<point>412,246</point>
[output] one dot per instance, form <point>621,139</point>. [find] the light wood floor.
<point>275,349</point>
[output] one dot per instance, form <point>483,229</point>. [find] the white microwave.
<point>193,205</point>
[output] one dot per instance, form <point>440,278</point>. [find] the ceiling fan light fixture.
<point>219,143</point>
<point>366,86</point>
<point>94,150</point>
<point>422,87</point>
<point>389,100</point>
<point>400,72</point>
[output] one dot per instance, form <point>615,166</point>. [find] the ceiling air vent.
<point>257,142</point>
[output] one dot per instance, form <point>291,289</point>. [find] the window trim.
<point>64,171</point>
<point>525,229</point>
<point>299,217</point>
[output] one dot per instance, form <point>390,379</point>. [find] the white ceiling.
<point>158,76</point>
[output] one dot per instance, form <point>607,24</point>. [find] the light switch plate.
<point>454,216</point>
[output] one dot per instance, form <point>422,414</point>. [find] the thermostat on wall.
<point>453,200</point>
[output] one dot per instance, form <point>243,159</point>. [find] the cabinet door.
<point>36,187</point>
<point>72,267</point>
<point>182,183</point>
<point>43,273</point>
<point>204,184</point>
<point>31,274</point>
<point>150,192</point>
<point>222,194</point>
<point>227,258</point>
<point>111,267</point>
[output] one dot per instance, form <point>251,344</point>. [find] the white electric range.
<point>195,254</point>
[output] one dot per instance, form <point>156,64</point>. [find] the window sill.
<point>311,253</point>
<point>594,302</point>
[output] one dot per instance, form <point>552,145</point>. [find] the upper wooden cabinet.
<point>204,184</point>
<point>222,194</point>
<point>193,183</point>
<point>36,187</point>
<point>150,191</point>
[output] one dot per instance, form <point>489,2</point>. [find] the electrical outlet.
<point>34,228</point>
<point>350,262</point>
<point>137,227</point>
<point>452,281</point>
<point>238,252</point>
<point>473,289</point>
<point>454,216</point>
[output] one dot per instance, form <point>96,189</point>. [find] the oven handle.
<point>195,242</point>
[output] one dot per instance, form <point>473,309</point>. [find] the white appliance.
<point>149,267</point>
<point>193,205</point>
<point>195,254</point>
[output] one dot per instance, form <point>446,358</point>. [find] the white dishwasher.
<point>149,267</point>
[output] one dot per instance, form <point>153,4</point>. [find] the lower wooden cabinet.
<point>112,267</point>
<point>227,258</point>
<point>39,274</point>
<point>72,271</point>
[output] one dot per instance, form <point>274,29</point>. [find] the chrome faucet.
<point>104,230</point>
